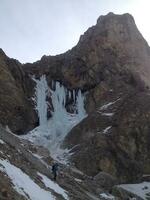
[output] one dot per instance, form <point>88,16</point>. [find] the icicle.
<point>80,105</point>
<point>41,104</point>
<point>53,85</point>
<point>74,95</point>
<point>69,96</point>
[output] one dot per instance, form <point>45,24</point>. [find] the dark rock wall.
<point>16,110</point>
<point>123,150</point>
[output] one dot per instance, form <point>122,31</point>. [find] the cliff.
<point>111,64</point>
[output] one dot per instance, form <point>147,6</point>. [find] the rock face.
<point>114,139</point>
<point>114,50</point>
<point>16,110</point>
<point>111,63</point>
<point>112,55</point>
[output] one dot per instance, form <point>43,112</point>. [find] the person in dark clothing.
<point>55,170</point>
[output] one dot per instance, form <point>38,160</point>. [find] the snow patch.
<point>37,156</point>
<point>105,106</point>
<point>77,171</point>
<point>106,130</point>
<point>107,114</point>
<point>78,180</point>
<point>23,184</point>
<point>2,142</point>
<point>139,189</point>
<point>54,186</point>
<point>8,129</point>
<point>107,196</point>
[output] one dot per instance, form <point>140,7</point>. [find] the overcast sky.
<point>30,29</point>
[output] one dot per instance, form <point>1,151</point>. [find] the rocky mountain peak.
<point>115,41</point>
<point>107,73</point>
<point>120,28</point>
<point>128,18</point>
<point>114,26</point>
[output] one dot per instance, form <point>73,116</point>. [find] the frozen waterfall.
<point>52,132</point>
<point>40,99</point>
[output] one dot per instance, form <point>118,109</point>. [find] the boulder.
<point>105,180</point>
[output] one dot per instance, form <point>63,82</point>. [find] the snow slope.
<point>141,189</point>
<point>54,186</point>
<point>23,184</point>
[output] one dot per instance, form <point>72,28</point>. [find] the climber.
<point>55,170</point>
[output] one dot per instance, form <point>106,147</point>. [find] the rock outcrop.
<point>114,139</point>
<point>16,110</point>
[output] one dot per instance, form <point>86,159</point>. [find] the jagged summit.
<point>114,28</point>
<point>112,16</point>
<point>119,26</point>
<point>122,27</point>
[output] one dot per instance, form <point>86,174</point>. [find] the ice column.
<point>41,103</point>
<point>80,106</point>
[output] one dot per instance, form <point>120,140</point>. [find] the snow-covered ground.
<point>54,186</point>
<point>141,189</point>
<point>52,132</point>
<point>23,184</point>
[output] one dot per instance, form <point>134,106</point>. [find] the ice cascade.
<point>52,132</point>
<point>40,99</point>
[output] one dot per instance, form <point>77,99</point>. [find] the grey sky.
<point>31,28</point>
